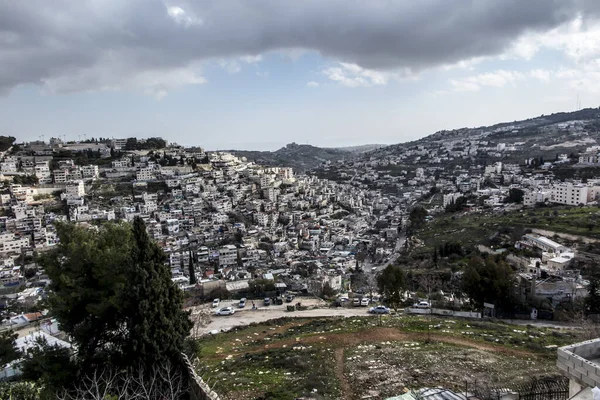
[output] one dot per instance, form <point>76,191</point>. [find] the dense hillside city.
<point>494,222</point>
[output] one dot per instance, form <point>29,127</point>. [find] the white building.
<point>569,194</point>
<point>450,198</point>
<point>42,172</point>
<point>75,190</point>
<point>89,172</point>
<point>146,173</point>
<point>531,198</point>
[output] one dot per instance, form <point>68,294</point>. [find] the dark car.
<point>267,301</point>
<point>289,298</point>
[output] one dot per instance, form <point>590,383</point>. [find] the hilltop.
<point>301,157</point>
<point>544,135</point>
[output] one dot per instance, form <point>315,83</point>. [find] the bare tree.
<point>162,382</point>
<point>200,317</point>
<point>587,329</point>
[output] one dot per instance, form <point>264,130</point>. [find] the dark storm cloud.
<point>90,44</point>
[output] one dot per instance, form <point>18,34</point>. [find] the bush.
<point>20,391</point>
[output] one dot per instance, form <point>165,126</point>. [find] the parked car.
<point>422,304</point>
<point>289,298</point>
<point>279,300</point>
<point>242,303</point>
<point>379,310</point>
<point>216,303</point>
<point>364,301</point>
<point>356,302</point>
<point>226,311</point>
<point>267,301</point>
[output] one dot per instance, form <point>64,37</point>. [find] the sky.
<point>258,74</point>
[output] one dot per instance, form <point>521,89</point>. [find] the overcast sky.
<point>258,74</point>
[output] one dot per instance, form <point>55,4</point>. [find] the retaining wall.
<point>441,311</point>
<point>199,390</point>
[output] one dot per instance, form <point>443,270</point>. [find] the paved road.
<point>249,316</point>
<point>368,266</point>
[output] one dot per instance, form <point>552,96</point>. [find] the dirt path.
<point>339,374</point>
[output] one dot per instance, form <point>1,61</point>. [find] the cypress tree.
<point>156,324</point>
<point>112,293</point>
<point>192,270</point>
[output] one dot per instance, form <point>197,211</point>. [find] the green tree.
<point>391,283</point>
<point>592,300</point>
<point>417,217</point>
<point>25,180</point>
<point>486,280</point>
<point>515,196</point>
<point>49,364</point>
<point>155,324</point>
<point>259,287</point>
<point>6,142</point>
<point>20,391</point>
<point>327,290</point>
<point>8,350</point>
<point>112,294</point>
<point>192,270</point>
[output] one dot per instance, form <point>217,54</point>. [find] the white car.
<point>422,304</point>
<point>356,302</point>
<point>364,302</point>
<point>216,303</point>
<point>226,311</point>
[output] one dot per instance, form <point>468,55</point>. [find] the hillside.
<point>543,135</point>
<point>360,149</point>
<point>301,157</point>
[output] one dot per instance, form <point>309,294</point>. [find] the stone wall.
<point>199,390</point>
<point>575,362</point>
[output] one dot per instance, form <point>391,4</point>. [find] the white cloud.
<point>251,59</point>
<point>579,41</point>
<point>497,79</point>
<point>180,16</point>
<point>540,74</point>
<point>312,84</point>
<point>156,83</point>
<point>231,66</point>
<point>353,75</point>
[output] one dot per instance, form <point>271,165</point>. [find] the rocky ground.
<point>372,358</point>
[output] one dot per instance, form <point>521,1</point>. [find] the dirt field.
<point>362,357</point>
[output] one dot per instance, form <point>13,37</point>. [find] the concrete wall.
<point>440,311</point>
<point>573,361</point>
<point>199,390</point>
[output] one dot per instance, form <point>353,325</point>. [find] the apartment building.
<point>569,194</point>
<point>228,255</point>
<point>89,172</point>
